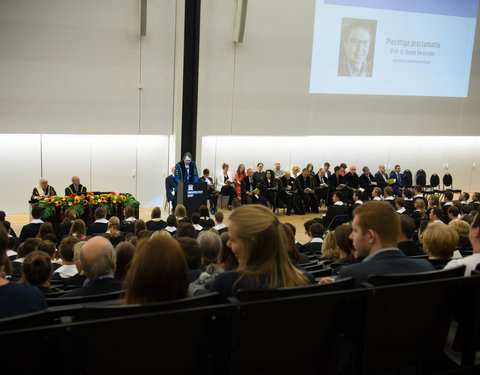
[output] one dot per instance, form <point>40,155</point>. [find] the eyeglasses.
<point>356,42</point>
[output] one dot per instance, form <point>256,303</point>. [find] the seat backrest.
<point>60,301</point>
<point>35,319</point>
<point>244,295</point>
<point>421,178</point>
<point>407,174</point>
<point>434,180</point>
<point>337,220</point>
<point>447,179</point>
<point>380,280</point>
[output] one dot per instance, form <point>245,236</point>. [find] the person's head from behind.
<point>316,230</point>
<point>419,205</point>
<point>36,212</point>
<point>129,212</point>
<point>474,235</point>
<point>388,191</point>
<point>156,213</point>
<point>219,217</point>
<point>210,246</point>
<point>139,226</point>
<point>448,196</point>
<point>158,272</point>
<point>3,251</point>
<point>407,228</point>
<point>44,229</point>
<point>180,211</point>
<point>100,213</point>
<point>292,249</point>
<point>37,268</point>
<point>453,212</point>
<point>192,253</point>
<point>375,226</point>
<point>78,228</point>
<point>407,193</point>
<point>114,226</point>
<point>463,230</point>
<point>203,211</point>
<point>70,216</point>
<point>125,251</point>
<point>329,247</point>
<point>399,203</point>
<point>439,241</point>
<point>65,250</point>
<point>417,189</point>
<point>97,258</point>
<point>186,230</point>
<point>77,249</point>
<point>195,218</point>
<point>48,247</point>
<point>26,247</point>
<point>171,221</point>
<point>343,240</point>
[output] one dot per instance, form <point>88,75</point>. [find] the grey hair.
<point>210,246</point>
<point>100,265</point>
<point>42,180</point>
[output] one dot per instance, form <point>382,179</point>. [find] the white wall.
<point>75,67</point>
<point>136,164</point>
<point>455,155</point>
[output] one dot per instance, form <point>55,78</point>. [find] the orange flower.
<point>58,203</point>
<point>124,198</point>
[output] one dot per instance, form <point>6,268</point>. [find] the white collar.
<point>171,229</point>
<point>438,221</point>
<point>11,252</point>
<point>464,202</point>
<point>408,199</point>
<point>448,203</point>
<point>131,218</point>
<point>36,221</point>
<point>102,221</point>
<point>389,198</point>
<point>401,210</point>
<point>316,240</point>
<point>197,227</point>
<point>67,270</point>
<point>157,219</point>
<point>377,199</point>
<point>219,226</point>
<point>418,196</point>
<point>358,202</point>
<point>339,203</point>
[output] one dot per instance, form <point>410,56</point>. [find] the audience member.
<point>329,249</point>
<point>389,198</point>
<point>196,223</point>
<point>128,224</point>
<point>11,232</point>
<point>259,242</point>
<point>219,226</point>
<point>344,246</point>
<point>295,256</point>
<point>186,230</point>
<point>125,252</point>
<point>139,226</point>
<point>113,231</point>
<point>25,248</point>
<point>227,259</point>
<point>181,214</point>
<point>143,234</point>
<point>338,209</point>
<point>45,228</point>
<point>37,270</point>
<point>63,228</point>
<point>405,238</point>
<point>439,243</point>
<point>79,278</point>
<point>436,215</point>
<point>205,220</point>
<point>78,229</point>
<point>98,263</point>
<point>192,253</point>
<point>453,213</point>
<point>158,272</point>
<point>100,224</point>
<point>66,253</point>
<point>48,247</point>
<point>171,225</point>
<point>463,230</point>
<point>156,222</point>
<point>315,233</point>
<point>31,230</point>
<point>294,231</point>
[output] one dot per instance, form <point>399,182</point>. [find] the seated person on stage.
<point>326,168</point>
<point>163,257</point>
<point>376,229</point>
<point>76,187</point>
<point>295,171</point>
<point>98,261</point>
<point>304,194</point>
<point>473,260</point>
<point>259,174</point>
<point>278,171</point>
<point>239,176</point>
<point>405,239</point>
<point>447,202</point>
<point>389,198</point>
<point>128,224</point>
<point>113,231</point>
<point>100,224</point>
<point>338,208</point>
<point>219,226</point>
<point>269,190</point>
<point>377,194</point>
<point>42,190</point>
<point>31,230</point>
<point>357,200</point>
<point>17,299</point>
<point>212,193</point>
<point>315,233</point>
<point>381,177</point>
<point>249,185</point>
<point>334,183</point>
<point>351,180</point>
<point>37,270</point>
<point>255,230</point>
<point>399,184</point>
<point>285,187</point>
<point>225,182</point>
<point>65,252</point>
<point>418,194</point>
<point>436,215</point>
<point>171,187</point>
<point>439,243</point>
<point>453,213</point>
<point>156,222</point>
<point>321,183</point>
<point>367,183</point>
<point>407,195</point>
<point>205,220</point>
<point>400,207</point>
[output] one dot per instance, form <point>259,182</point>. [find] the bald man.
<point>76,187</point>
<point>381,177</point>
<point>98,261</point>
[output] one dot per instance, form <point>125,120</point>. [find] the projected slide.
<point>392,47</point>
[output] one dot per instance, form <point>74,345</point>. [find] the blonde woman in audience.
<point>433,202</point>
<point>344,245</point>
<point>439,243</point>
<point>181,213</point>
<point>419,213</point>
<point>463,230</point>
<point>295,171</point>
<point>158,272</point>
<point>78,229</point>
<point>329,249</point>
<point>259,242</point>
<point>113,231</point>
<point>161,233</point>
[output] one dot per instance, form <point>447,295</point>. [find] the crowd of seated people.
<point>158,261</point>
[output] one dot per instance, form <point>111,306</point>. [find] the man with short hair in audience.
<point>338,208</point>
<point>100,224</point>
<point>377,194</point>
<point>259,174</point>
<point>399,184</point>
<point>321,184</point>
<point>473,260</point>
<point>31,230</point>
<point>278,172</point>
<point>65,251</point>
<point>315,233</point>
<point>475,203</point>
<point>357,200</point>
<point>405,238</point>
<point>76,187</point>
<point>367,183</point>
<point>248,186</point>
<point>389,198</point>
<point>436,214</point>
<point>375,233</point>
<point>400,207</point>
<point>381,177</point>
<point>464,197</point>
<point>219,226</point>
<point>453,213</point>
<point>98,262</point>
<point>418,194</point>
<point>447,202</point>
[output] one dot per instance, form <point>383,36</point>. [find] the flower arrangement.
<point>80,202</point>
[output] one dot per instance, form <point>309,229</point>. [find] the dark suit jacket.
<point>170,184</point>
<point>29,231</point>
<point>245,185</point>
<point>96,228</point>
<point>400,183</point>
<point>181,172</point>
<point>387,262</point>
<point>410,248</point>
<point>155,225</point>
<point>69,190</point>
<point>380,180</point>
<point>97,287</point>
<point>311,247</point>
<point>352,180</point>
<point>333,211</point>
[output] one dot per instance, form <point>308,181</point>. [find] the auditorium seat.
<point>421,178</point>
<point>434,182</point>
<point>60,301</point>
<point>407,174</point>
<point>35,319</point>
<point>337,220</point>
<point>448,184</point>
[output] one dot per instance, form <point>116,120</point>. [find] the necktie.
<point>188,173</point>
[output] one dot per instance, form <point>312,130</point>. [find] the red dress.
<point>238,182</point>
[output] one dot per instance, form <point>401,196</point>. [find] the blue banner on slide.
<point>458,8</point>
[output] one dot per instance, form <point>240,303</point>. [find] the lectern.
<point>192,196</point>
